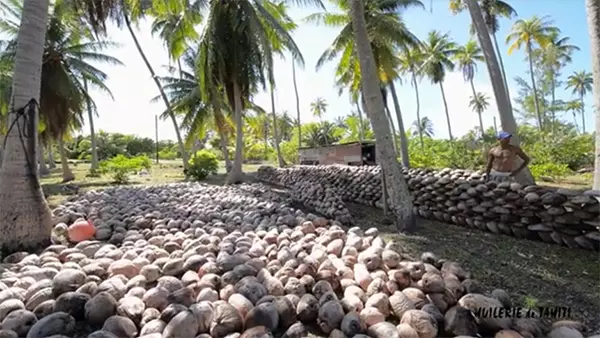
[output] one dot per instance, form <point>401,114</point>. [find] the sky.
<point>131,111</point>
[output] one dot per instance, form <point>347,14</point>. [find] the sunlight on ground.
<point>164,172</point>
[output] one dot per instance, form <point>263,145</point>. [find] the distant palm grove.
<point>219,68</point>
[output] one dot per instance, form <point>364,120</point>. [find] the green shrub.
<point>549,170</point>
<point>121,166</point>
<point>202,164</point>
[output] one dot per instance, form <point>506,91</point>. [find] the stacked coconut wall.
<point>463,197</point>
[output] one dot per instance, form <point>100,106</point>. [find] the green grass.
<point>167,171</point>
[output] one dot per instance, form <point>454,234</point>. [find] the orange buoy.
<point>81,230</point>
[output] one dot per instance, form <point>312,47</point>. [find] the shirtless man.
<point>502,159</point>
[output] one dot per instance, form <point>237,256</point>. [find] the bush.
<point>202,164</point>
<point>550,171</point>
<point>121,166</point>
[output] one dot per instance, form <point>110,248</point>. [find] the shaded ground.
<point>533,273</point>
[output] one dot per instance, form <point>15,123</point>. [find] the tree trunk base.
<point>44,171</point>
<point>234,177</point>
<point>33,246</point>
<point>68,178</point>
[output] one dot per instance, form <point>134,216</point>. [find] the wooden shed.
<point>352,153</point>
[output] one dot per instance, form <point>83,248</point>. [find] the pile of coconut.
<point>192,260</point>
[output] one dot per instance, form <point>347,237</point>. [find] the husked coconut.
<point>383,330</point>
<point>330,316</point>
<point>371,316</point>
<point>475,302</point>
<point>352,324</point>
<point>422,322</point>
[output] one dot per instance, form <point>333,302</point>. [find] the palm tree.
<point>581,84</point>
<point>505,110</point>
<point>479,103</point>
<point>574,106</point>
<point>297,104</point>
<point>238,70</point>
<point>318,107</point>
<point>593,21</point>
<point>438,51</point>
<point>491,11</point>
<point>410,61</point>
<point>556,54</point>
<point>467,57</point>
<point>387,32</point>
<point>66,70</point>
<point>185,99</point>
<point>527,32</point>
<point>24,213</point>
<point>279,13</point>
<point>393,178</point>
<point>423,127</point>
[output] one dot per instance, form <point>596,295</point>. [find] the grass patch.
<point>167,171</point>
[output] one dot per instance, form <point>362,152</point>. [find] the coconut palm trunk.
<point>582,113</point>
<point>536,103</point>
<point>43,169</point>
<point>414,80</point>
<point>507,119</point>
<point>163,95</point>
<point>25,218</point>
<point>94,163</point>
<point>446,110</point>
<point>67,174</point>
<point>275,131</point>
<point>401,200</point>
<point>51,162</point>
<point>361,127</point>
<point>501,63</point>
<point>478,112</point>
<point>401,132</point>
<point>593,21</point>
<point>236,175</point>
<point>297,104</point>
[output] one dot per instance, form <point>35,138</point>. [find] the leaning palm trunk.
<point>593,20</point>
<point>402,133</point>
<point>446,110</point>
<point>43,169</point>
<point>163,95</point>
<point>297,104</point>
<point>1,148</point>
<point>236,175</point>
<point>505,112</point>
<point>414,80</point>
<point>536,103</point>
<point>94,163</point>
<point>392,129</point>
<point>361,127</point>
<point>501,63</point>
<point>275,132</point>
<point>51,162</point>
<point>25,219</point>
<point>64,161</point>
<point>397,189</point>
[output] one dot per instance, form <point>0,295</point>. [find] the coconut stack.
<point>323,199</point>
<point>463,197</point>
<point>192,260</point>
